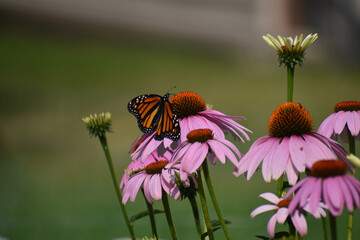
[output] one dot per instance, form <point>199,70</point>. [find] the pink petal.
<point>257,155</point>
<point>353,123</point>
<point>271,226</point>
<point>282,214</point>
<point>147,189</point>
<point>267,162</point>
<point>155,187</point>
<point>270,197</point>
<point>297,153</point>
<point>217,149</point>
<point>291,173</point>
<point>299,223</point>
<point>332,196</point>
<point>281,156</point>
<point>346,193</point>
<point>315,196</point>
<point>263,208</point>
<point>327,126</point>
<point>340,122</point>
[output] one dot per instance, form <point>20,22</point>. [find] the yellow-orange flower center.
<point>186,104</point>
<point>156,167</point>
<point>284,203</point>
<point>328,168</point>
<point>199,135</point>
<point>347,106</point>
<point>290,119</point>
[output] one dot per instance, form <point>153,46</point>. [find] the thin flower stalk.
<point>333,228</point>
<point>98,125</point>
<point>105,147</point>
<point>196,215</point>
<point>205,207</point>
<point>152,217</point>
<point>168,215</point>
<point>350,219</point>
<point>214,200</point>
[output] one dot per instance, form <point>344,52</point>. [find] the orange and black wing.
<point>146,109</point>
<point>155,113</point>
<point>168,125</point>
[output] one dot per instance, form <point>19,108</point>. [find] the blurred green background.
<point>54,180</point>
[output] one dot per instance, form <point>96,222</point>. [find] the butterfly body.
<point>155,114</point>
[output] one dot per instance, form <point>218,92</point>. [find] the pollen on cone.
<point>156,167</point>
<point>290,119</point>
<point>328,168</point>
<point>187,104</point>
<point>199,135</point>
<point>347,106</point>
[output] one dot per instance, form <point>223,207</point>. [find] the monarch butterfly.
<point>155,114</point>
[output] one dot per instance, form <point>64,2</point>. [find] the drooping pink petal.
<point>217,149</point>
<point>132,187</point>
<point>291,173</point>
<point>270,197</point>
<point>263,208</point>
<point>267,162</point>
<point>298,196</point>
<point>297,153</point>
<point>346,193</point>
<point>229,154</point>
<point>332,196</point>
<point>155,187</point>
<point>327,126</point>
<point>314,201</point>
<point>282,214</point>
<point>281,156</point>
<point>232,147</point>
<point>299,223</point>
<point>147,189</point>
<point>355,192</point>
<point>193,159</point>
<point>271,226</point>
<point>340,122</point>
<point>256,156</point>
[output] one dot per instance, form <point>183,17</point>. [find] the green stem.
<point>152,217</point>
<point>105,147</point>
<point>168,215</point>
<point>204,207</point>
<point>279,186</point>
<point>323,220</point>
<point>292,229</point>
<point>213,198</point>
<point>290,83</point>
<point>351,150</point>
<point>333,229</point>
<point>195,211</point>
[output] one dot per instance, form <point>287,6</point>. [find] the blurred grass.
<point>54,182</point>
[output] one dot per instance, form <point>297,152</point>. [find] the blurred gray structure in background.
<point>225,24</point>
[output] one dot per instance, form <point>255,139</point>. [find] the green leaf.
<point>144,214</point>
<point>216,223</point>
<point>278,236</point>
<point>216,226</point>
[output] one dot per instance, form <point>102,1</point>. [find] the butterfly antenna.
<point>168,92</point>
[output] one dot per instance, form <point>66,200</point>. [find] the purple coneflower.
<point>345,119</point>
<point>152,176</point>
<point>202,143</point>
<point>280,205</point>
<point>328,183</point>
<point>290,147</point>
<point>193,114</point>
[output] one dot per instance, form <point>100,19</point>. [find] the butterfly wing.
<point>168,125</point>
<point>155,113</point>
<point>146,109</point>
